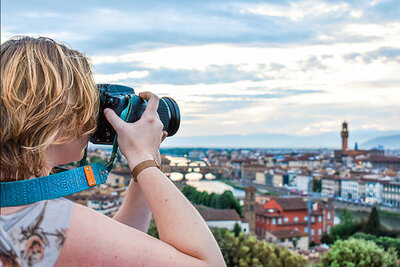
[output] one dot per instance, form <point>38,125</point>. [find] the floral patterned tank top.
<point>35,235</point>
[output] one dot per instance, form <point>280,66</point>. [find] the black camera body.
<point>116,97</point>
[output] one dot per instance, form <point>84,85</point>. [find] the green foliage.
<point>383,241</point>
<point>346,226</point>
<point>316,185</point>
<point>349,226</point>
<point>237,229</point>
<point>373,224</point>
<point>153,229</point>
<point>247,251</point>
<point>326,238</point>
<point>97,159</point>
<point>358,253</point>
<point>225,200</point>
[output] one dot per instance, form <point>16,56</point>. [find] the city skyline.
<point>238,67</point>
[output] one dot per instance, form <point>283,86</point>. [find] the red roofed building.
<point>290,213</point>
<point>389,162</point>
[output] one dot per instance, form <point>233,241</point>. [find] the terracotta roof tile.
<point>291,203</point>
<point>210,214</point>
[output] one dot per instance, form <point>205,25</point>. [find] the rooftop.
<point>211,214</point>
<point>287,233</point>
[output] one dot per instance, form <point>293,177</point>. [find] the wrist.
<point>134,160</point>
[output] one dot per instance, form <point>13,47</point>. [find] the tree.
<point>373,224</point>
<point>346,226</point>
<point>204,198</point>
<point>213,200</point>
<point>358,252</point>
<point>247,251</point>
<point>237,229</point>
<point>153,229</point>
<point>383,241</point>
<point>316,185</point>
<point>226,200</point>
<point>326,238</point>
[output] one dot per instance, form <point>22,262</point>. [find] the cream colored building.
<point>288,238</point>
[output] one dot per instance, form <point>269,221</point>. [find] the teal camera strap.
<point>60,184</point>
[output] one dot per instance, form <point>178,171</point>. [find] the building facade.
<point>391,193</point>
<point>330,186</point>
<point>292,213</point>
<point>350,189</point>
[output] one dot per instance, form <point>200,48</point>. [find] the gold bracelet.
<point>143,165</point>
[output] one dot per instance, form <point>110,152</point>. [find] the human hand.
<point>140,140</point>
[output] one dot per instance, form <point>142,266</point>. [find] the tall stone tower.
<point>345,135</point>
<point>249,207</point>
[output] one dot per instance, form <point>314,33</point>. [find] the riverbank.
<point>389,219</point>
<point>243,187</point>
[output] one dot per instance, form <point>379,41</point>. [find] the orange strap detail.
<point>89,175</point>
<point>143,165</point>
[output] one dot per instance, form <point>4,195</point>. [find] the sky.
<point>238,67</point>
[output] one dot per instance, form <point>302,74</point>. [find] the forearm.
<point>178,222</point>
<point>134,211</point>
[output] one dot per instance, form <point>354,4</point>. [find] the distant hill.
<point>272,140</point>
<point>388,142</point>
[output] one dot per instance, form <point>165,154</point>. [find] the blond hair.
<point>48,96</point>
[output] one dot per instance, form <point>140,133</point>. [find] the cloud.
<point>212,74</point>
<point>312,63</point>
<point>386,54</point>
<point>277,93</point>
<point>109,78</point>
<point>299,10</point>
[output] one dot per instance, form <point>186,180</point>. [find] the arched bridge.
<point>203,170</point>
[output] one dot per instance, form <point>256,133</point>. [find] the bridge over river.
<point>187,169</point>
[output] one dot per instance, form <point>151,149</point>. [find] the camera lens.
<point>172,119</point>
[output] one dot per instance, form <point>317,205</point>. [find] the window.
<point>329,229</point>
<point>282,240</point>
<point>312,219</point>
<point>296,219</point>
<point>267,220</point>
<point>306,230</point>
<point>319,231</point>
<point>305,218</point>
<point>329,215</point>
<point>262,219</point>
<point>286,219</point>
<point>296,229</point>
<point>262,231</point>
<point>312,232</point>
<point>320,218</point>
<point>117,181</point>
<point>279,220</point>
<point>273,221</point>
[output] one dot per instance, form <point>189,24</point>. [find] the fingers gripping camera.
<point>116,97</point>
